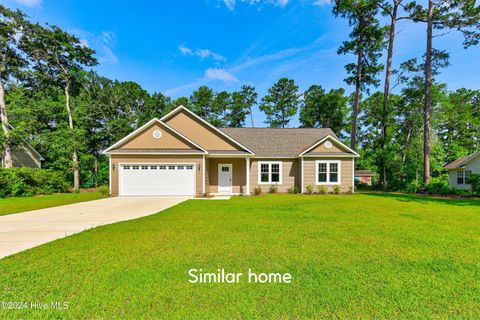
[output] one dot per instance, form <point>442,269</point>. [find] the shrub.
<point>350,190</point>
<point>293,190</point>
<point>322,189</point>
<point>474,180</point>
<point>257,191</point>
<point>309,189</point>
<point>273,188</point>
<point>336,189</point>
<point>412,187</point>
<point>105,190</point>
<point>24,182</point>
<point>438,186</point>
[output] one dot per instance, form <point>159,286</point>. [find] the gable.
<point>473,165</point>
<point>200,133</point>
<point>336,147</point>
<point>145,139</point>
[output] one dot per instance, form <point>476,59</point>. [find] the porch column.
<point>247,191</point>
<point>301,176</point>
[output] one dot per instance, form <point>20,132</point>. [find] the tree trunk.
<point>76,173</point>
<point>283,117</point>
<point>386,91</point>
<point>251,117</point>
<point>7,147</point>
<point>358,85</point>
<point>428,84</point>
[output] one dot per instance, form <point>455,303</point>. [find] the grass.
<point>368,256</point>
<point>15,205</point>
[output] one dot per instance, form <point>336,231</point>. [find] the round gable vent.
<point>328,144</point>
<point>157,134</point>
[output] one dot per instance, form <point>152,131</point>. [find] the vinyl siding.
<point>147,159</point>
<point>239,178</point>
<point>346,174</point>
<point>23,157</point>
<point>290,174</point>
<point>474,166</point>
<point>335,147</point>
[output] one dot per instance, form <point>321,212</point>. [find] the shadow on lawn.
<point>426,199</point>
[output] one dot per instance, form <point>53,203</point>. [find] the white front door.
<point>224,178</point>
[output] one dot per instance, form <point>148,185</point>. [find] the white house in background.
<point>460,170</point>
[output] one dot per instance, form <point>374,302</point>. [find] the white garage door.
<point>157,180</point>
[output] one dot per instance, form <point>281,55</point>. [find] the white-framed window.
<point>269,172</point>
<point>463,176</point>
<point>328,172</point>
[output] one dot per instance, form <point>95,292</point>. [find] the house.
<point>364,176</point>
<point>24,155</point>
<point>460,170</point>
<point>182,154</point>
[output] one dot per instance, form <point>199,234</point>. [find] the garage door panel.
<point>157,179</point>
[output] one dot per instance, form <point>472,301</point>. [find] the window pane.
<point>264,168</point>
<point>333,167</point>
<point>322,177</point>
<point>460,177</point>
<point>264,177</point>
<point>275,177</point>
<point>275,168</point>
<point>333,177</point>
<point>322,167</point>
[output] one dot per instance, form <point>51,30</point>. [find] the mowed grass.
<point>368,256</point>
<point>15,205</point>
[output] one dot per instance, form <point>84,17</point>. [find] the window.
<point>171,167</point>
<point>328,171</point>
<point>270,172</point>
<point>463,176</point>
<point>135,167</point>
<point>189,167</point>
<point>126,167</point>
<point>144,167</point>
<point>181,167</point>
<point>153,167</point>
<point>225,169</point>
<point>162,167</point>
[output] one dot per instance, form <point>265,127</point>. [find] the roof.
<point>278,142</point>
<point>364,173</point>
<point>137,150</point>
<point>229,152</point>
<point>457,164</point>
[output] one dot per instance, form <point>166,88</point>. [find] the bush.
<point>350,190</point>
<point>105,190</point>
<point>322,189</point>
<point>474,180</point>
<point>412,187</point>
<point>257,191</point>
<point>438,186</point>
<point>293,190</point>
<point>309,189</point>
<point>336,189</point>
<point>24,182</point>
<point>273,188</point>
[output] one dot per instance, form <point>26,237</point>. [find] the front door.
<point>224,178</point>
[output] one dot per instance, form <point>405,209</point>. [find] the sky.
<point>173,47</point>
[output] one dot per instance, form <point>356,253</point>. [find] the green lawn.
<point>350,256</point>
<point>15,205</point>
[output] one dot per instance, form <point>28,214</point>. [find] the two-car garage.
<point>157,179</point>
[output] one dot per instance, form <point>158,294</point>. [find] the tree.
<point>460,15</point>
<point>12,63</point>
<point>220,106</point>
<point>324,110</point>
<point>202,102</point>
<point>366,42</point>
<point>241,105</point>
<point>281,103</point>
<point>61,58</point>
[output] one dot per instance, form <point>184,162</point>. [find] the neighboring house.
<point>460,170</point>
<point>364,176</point>
<point>182,154</point>
<point>24,155</point>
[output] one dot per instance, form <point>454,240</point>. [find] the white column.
<point>247,160</point>
<point>301,175</point>
<point>203,174</point>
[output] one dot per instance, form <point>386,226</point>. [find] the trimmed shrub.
<point>322,189</point>
<point>273,188</point>
<point>438,186</point>
<point>336,189</point>
<point>309,189</point>
<point>105,190</point>
<point>24,182</point>
<point>293,190</point>
<point>257,191</point>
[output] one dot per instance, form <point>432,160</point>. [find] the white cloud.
<point>282,3</point>
<point>205,53</point>
<point>230,4</point>
<point>30,3</point>
<point>320,3</point>
<point>103,44</point>
<point>220,74</point>
<point>84,42</point>
<point>184,50</point>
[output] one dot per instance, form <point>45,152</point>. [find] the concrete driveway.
<point>21,231</point>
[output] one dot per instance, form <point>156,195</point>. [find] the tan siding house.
<point>182,154</point>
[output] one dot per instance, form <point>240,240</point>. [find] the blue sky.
<point>175,46</point>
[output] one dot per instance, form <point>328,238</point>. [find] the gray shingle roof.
<point>277,142</point>
<point>135,150</point>
<point>456,164</point>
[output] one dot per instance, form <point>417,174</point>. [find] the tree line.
<point>50,97</point>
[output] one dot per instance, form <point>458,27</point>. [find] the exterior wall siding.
<point>346,174</point>
<point>200,132</point>
<point>148,159</point>
<point>23,157</point>
<point>290,174</point>
<point>239,177</point>
<point>474,166</point>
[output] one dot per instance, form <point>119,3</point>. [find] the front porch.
<point>227,175</point>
